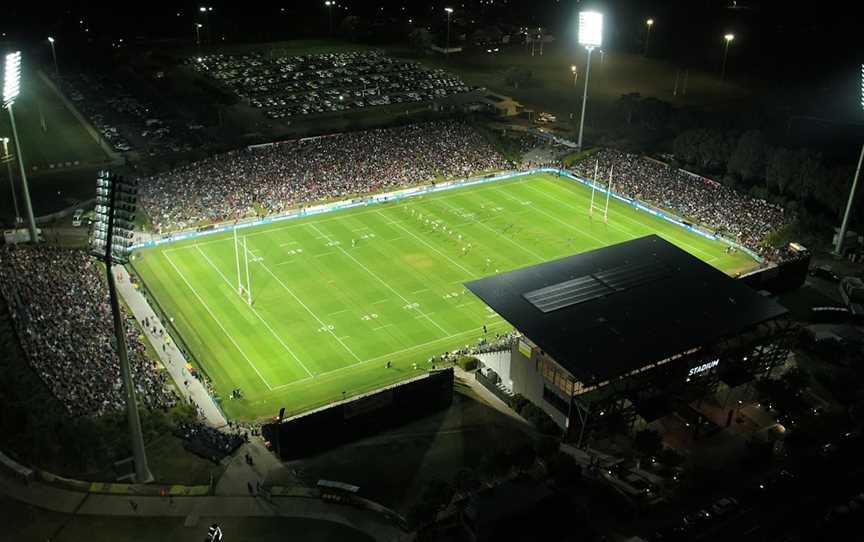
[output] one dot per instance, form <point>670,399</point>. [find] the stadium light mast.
<point>650,24</point>
<point>6,157</point>
<point>838,245</point>
<point>116,200</point>
<point>575,74</point>
<point>728,38</point>
<point>11,89</point>
<point>449,14</point>
<point>330,4</point>
<point>591,37</point>
<point>54,56</point>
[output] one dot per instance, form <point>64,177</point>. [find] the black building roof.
<point>604,313</point>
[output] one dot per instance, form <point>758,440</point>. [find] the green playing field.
<point>337,296</point>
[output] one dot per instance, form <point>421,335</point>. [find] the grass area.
<point>327,315</point>
<point>64,139</point>
<point>26,523</point>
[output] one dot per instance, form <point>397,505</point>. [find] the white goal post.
<point>604,209</point>
<point>244,291</point>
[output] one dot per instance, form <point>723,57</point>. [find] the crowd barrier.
<point>431,189</point>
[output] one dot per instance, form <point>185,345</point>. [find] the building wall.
<point>527,377</point>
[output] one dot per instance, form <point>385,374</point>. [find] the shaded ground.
<point>25,523</point>
<point>392,468</point>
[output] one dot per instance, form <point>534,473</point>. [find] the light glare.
<point>11,78</point>
<point>590,29</point>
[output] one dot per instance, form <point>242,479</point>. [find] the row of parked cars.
<point>125,119</point>
<point>301,85</point>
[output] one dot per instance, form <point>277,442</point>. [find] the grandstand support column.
<point>584,98</point>
<point>838,247</point>
<point>25,189</point>
<point>142,470</point>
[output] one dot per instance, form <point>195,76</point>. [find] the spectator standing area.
<point>351,301</point>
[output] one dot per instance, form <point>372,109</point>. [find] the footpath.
<point>189,387</point>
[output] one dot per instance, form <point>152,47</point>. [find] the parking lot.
<point>293,86</point>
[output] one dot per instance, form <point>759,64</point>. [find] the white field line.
<point>381,301</point>
<point>263,321</point>
<point>622,215</point>
<point>325,218</point>
<point>409,232</point>
<point>498,234</point>
<point>325,254</point>
<point>339,247</point>
<point>230,338</point>
<point>389,354</point>
<point>555,218</point>
<point>323,325</point>
<point>289,243</point>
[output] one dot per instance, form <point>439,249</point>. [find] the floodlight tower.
<point>575,74</point>
<point>54,56</point>
<point>330,4</point>
<point>116,200</point>
<point>838,245</point>
<point>206,11</point>
<point>449,14</point>
<point>11,89</point>
<point>728,38</point>
<point>6,157</point>
<point>590,36</point>
<point>650,24</point>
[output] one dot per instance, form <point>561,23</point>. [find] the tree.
<point>435,497</point>
<point>421,38</point>
<point>648,442</point>
<point>780,170</point>
<point>809,172</point>
<point>686,145</point>
<point>627,105</point>
<point>466,481</point>
<point>670,458</point>
<point>749,159</point>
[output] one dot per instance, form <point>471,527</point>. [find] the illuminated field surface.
<point>338,295</point>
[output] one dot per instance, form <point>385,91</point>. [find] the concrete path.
<point>188,386</point>
<point>92,504</point>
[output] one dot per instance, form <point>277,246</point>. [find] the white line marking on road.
<point>381,281</point>
<point>263,321</point>
<point>230,338</point>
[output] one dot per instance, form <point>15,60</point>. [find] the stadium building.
<point>624,335</point>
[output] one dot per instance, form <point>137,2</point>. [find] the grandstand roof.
<point>604,313</point>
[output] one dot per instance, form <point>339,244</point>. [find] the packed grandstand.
<point>59,301</point>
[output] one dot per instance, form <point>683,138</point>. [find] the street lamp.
<point>728,38</point>
<point>330,4</point>
<point>449,13</point>
<point>54,55</point>
<point>591,37</point>
<point>575,74</point>
<point>11,89</point>
<point>198,33</point>
<point>650,23</point>
<point>206,11</point>
<point>838,245</point>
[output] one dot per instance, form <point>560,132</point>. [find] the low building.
<point>630,333</point>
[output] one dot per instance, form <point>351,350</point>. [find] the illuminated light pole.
<point>728,38</point>
<point>11,89</point>
<point>206,11</point>
<point>330,4</point>
<point>650,23</point>
<point>591,37</point>
<point>198,33</point>
<point>449,14</point>
<point>54,56</point>
<point>838,246</point>
<point>6,157</point>
<point>575,74</point>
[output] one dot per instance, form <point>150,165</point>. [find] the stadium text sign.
<point>704,367</point>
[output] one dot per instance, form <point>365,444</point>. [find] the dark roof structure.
<point>604,313</point>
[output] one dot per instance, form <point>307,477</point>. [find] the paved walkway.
<point>171,356</point>
<point>91,504</point>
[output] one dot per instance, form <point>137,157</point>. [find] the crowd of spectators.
<point>208,442</point>
<point>291,174</point>
<point>59,305</point>
<point>736,215</point>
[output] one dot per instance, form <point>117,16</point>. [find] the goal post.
<point>243,290</point>
<point>601,207</point>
